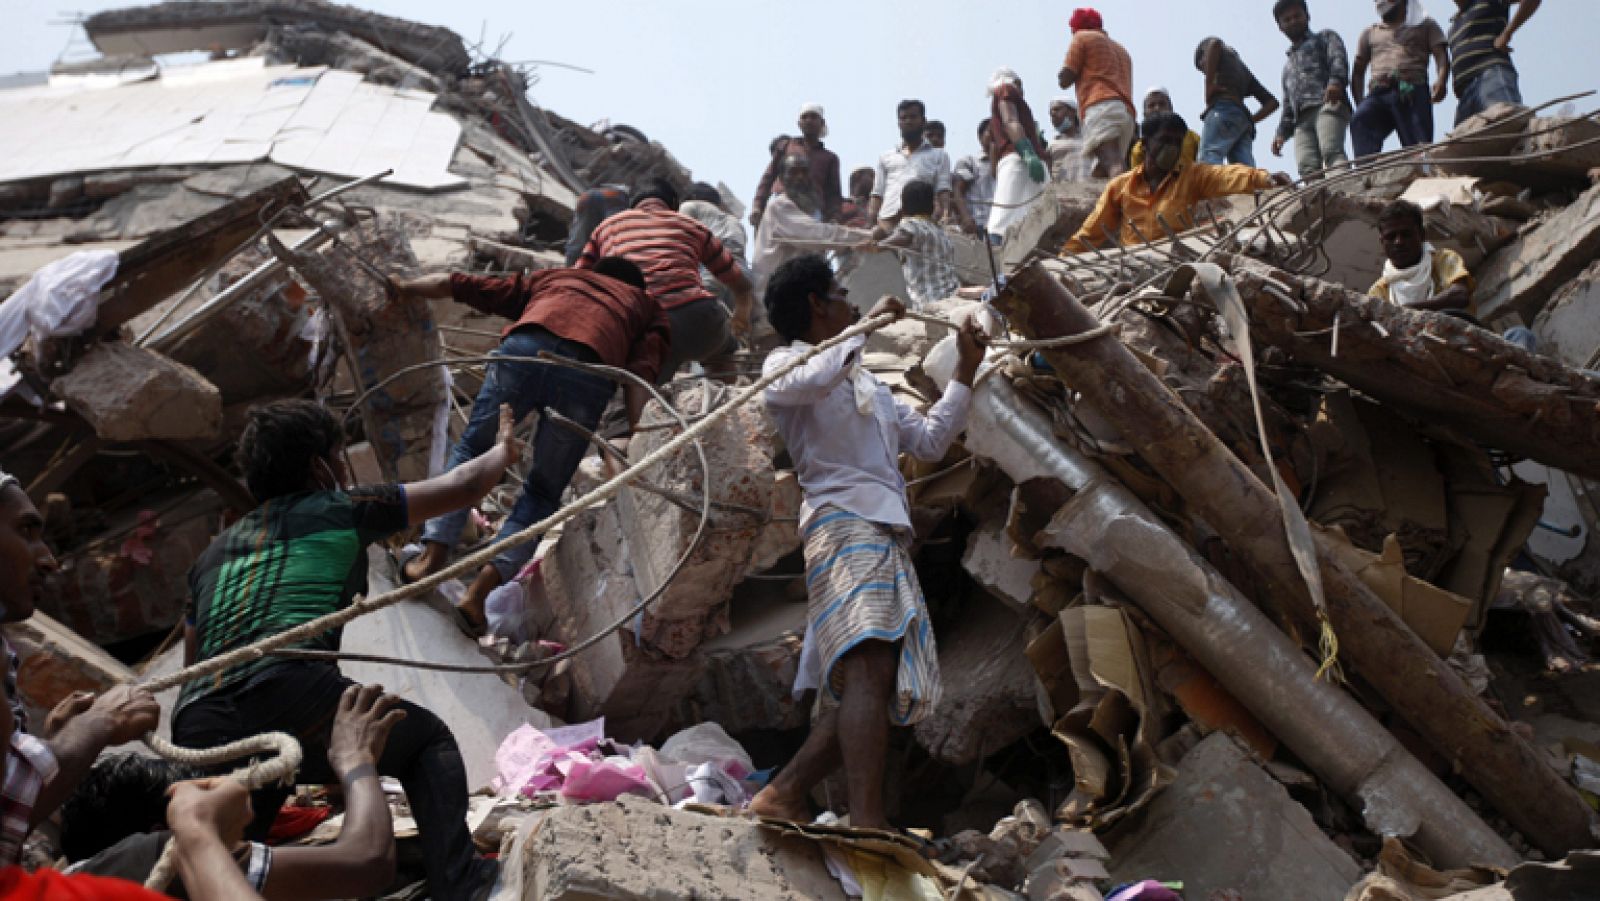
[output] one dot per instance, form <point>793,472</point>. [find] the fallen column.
<point>1230,499</point>
<point>1438,367</point>
<point>1261,666</point>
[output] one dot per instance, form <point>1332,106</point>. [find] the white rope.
<point>279,769</point>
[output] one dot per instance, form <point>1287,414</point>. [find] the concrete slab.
<point>1226,825</point>
<point>990,691</point>
<point>637,849</point>
<point>128,393</point>
<point>1521,278</point>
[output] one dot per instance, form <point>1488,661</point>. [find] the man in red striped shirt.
<point>671,247</point>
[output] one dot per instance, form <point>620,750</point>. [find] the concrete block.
<point>780,537</point>
<point>869,276</point>
<point>739,451</point>
<point>1521,278</point>
<point>748,680</point>
<point>1226,825</point>
<point>1568,327</point>
<point>55,662</point>
<point>989,687</point>
<point>1064,842</point>
<point>589,584</point>
<point>127,393</point>
<point>638,849</point>
<point>989,560</point>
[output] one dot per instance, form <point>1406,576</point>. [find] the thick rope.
<point>279,769</point>
<point>476,561</point>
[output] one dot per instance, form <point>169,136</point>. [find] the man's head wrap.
<point>1003,76</point>
<point>1086,17</point>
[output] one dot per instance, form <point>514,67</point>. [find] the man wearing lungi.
<point>868,624</point>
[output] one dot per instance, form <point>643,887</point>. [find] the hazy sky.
<point>715,80</point>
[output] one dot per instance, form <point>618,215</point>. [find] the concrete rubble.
<point>1133,659</point>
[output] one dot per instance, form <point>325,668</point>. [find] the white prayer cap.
<point>812,108</point>
<point>1003,75</point>
<point>1158,89</point>
<point>1067,99</point>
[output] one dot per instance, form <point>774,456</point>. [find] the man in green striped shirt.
<point>1480,45</point>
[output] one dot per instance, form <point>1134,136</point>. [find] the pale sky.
<point>715,80</point>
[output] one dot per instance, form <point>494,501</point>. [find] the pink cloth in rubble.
<point>531,761</point>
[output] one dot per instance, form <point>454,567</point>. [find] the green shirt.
<point>289,561</point>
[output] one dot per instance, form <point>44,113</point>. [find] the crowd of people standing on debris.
<point>657,281</point>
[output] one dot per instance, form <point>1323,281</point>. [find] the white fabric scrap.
<point>60,300</point>
<point>1413,284</point>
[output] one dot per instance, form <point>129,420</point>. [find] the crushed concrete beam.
<point>1227,826</point>
<point>1516,777</point>
<point>1568,328</point>
<point>1437,367</point>
<point>128,393</point>
<point>991,559</point>
<point>1544,153</point>
<point>635,848</point>
<point>1098,519</point>
<point>1520,278</point>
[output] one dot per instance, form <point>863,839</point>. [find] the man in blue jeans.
<point>1480,50</point>
<point>600,315</point>
<point>1397,100</point>
<point>1230,128</point>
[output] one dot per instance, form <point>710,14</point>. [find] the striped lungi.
<point>862,587</point>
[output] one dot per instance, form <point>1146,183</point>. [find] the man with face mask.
<point>1397,99</point>
<point>824,165</point>
<point>1068,161</point>
<point>793,227</point>
<point>1315,110</point>
<point>1159,195</point>
<point>914,160</point>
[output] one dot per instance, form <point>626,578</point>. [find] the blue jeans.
<point>1387,111</point>
<point>1229,135</point>
<point>557,450</point>
<point>1496,84</point>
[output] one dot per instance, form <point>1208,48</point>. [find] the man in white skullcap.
<point>1158,102</point>
<point>40,774</point>
<point>824,164</point>
<point>1068,160</point>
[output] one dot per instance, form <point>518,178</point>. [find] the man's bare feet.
<point>433,558</point>
<point>770,803</point>
<point>471,605</point>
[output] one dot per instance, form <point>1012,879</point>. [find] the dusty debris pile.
<point>1276,590</point>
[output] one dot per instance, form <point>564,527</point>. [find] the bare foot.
<point>432,559</point>
<point>471,605</point>
<point>769,803</point>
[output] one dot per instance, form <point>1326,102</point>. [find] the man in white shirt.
<point>868,623</point>
<point>792,225</point>
<point>914,160</point>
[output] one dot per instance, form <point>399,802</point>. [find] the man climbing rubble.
<point>868,623</point>
<point>600,316</point>
<point>1159,194</point>
<point>670,248</point>
<point>300,555</point>
<point>40,774</point>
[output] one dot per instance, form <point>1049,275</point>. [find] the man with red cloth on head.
<point>1020,174</point>
<point>1102,71</point>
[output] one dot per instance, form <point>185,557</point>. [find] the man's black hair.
<point>935,125</point>
<point>1161,124</point>
<point>1283,6</point>
<point>706,193</point>
<point>658,188</point>
<point>870,175</point>
<point>907,104</point>
<point>623,270</point>
<point>280,445</point>
<point>789,292</point>
<point>1403,209</point>
<point>983,126</point>
<point>916,198</point>
<point>122,795</point>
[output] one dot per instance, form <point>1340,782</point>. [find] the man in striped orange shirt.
<point>670,248</point>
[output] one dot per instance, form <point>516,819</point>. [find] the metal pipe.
<point>229,295</point>
<point>1111,529</point>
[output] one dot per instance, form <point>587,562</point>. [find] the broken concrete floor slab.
<point>635,848</point>
<point>1226,825</point>
<point>127,393</point>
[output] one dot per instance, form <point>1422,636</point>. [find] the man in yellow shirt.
<point>1417,274</point>
<point>1163,189</point>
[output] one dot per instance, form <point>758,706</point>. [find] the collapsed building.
<point>1259,585</point>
